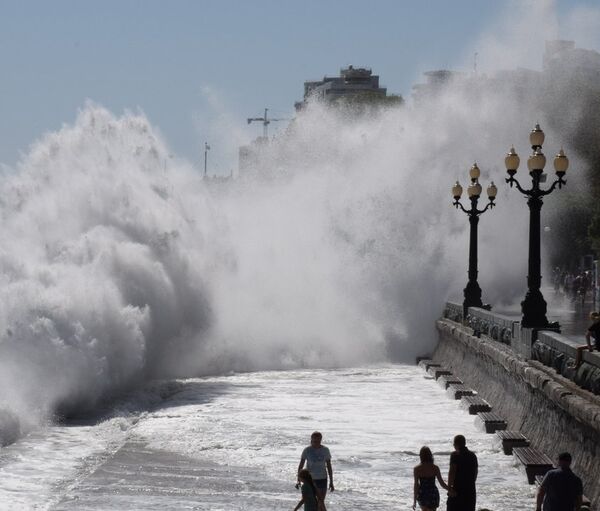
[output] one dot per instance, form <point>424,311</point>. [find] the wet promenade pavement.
<point>572,316</point>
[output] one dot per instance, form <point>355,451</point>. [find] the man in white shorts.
<point>318,463</point>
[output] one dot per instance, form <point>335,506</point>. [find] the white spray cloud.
<point>516,38</point>
<point>98,290</point>
<point>221,130</point>
<point>340,250</point>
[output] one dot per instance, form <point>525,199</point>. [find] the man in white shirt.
<point>318,463</point>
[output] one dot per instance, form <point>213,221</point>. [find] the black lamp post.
<point>534,305</point>
<point>473,292</point>
<point>206,149</point>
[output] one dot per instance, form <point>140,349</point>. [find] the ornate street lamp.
<point>534,305</point>
<point>473,292</point>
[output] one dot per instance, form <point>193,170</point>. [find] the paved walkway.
<point>573,317</point>
<point>137,475</point>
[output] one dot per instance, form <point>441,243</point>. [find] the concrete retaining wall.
<point>545,408</point>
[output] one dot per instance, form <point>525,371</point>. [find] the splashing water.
<point>119,264</point>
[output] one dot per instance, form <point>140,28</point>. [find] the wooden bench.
<point>536,463</point>
<point>458,391</point>
<point>426,363</point>
<point>512,439</point>
<point>491,422</point>
<point>436,372</point>
<point>475,404</point>
<point>449,379</point>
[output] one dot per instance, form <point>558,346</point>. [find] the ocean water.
<point>233,443</point>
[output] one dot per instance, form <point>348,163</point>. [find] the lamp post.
<point>534,306</point>
<point>206,149</point>
<point>472,292</point>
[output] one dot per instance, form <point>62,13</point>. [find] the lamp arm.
<point>560,181</point>
<point>457,204</point>
<point>489,205</point>
<point>512,181</point>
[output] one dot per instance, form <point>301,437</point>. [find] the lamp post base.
<point>534,309</point>
<point>472,297</point>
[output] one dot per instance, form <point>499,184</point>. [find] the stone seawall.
<point>547,408</point>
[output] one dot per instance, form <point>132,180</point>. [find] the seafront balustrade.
<point>497,326</point>
<point>558,351</point>
<point>551,348</point>
<point>454,312</point>
<point>482,321</point>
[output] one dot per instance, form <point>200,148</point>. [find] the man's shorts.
<point>321,484</point>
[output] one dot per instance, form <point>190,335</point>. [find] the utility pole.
<point>265,122</point>
<point>206,149</point>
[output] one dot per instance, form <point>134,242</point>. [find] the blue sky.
<point>162,57</point>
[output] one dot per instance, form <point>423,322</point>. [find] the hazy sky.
<point>192,64</point>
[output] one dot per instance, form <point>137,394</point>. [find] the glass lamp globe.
<point>474,190</point>
<point>457,190</point>
<point>512,161</point>
<point>536,137</point>
<point>561,163</point>
<point>537,161</point>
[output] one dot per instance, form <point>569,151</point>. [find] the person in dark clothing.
<point>561,489</point>
<point>461,477</point>
<point>310,494</point>
<point>592,331</point>
<point>425,490</point>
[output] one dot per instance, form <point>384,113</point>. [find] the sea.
<point>233,442</point>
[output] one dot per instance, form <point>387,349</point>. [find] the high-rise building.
<point>352,83</point>
<point>436,81</point>
<point>563,60</point>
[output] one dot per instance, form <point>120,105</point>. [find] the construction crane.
<point>265,122</point>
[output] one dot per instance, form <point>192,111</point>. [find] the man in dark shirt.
<point>462,477</point>
<point>561,489</point>
<point>592,331</point>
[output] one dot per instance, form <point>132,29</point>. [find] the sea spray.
<point>102,268</point>
<point>119,264</point>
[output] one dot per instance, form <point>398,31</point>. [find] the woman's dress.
<point>310,499</point>
<point>428,495</point>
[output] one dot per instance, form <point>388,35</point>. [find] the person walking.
<point>462,475</point>
<point>561,489</point>
<point>318,462</point>
<point>569,285</point>
<point>577,281</point>
<point>309,492</point>
<point>425,490</point>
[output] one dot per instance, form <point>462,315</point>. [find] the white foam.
<point>254,427</point>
